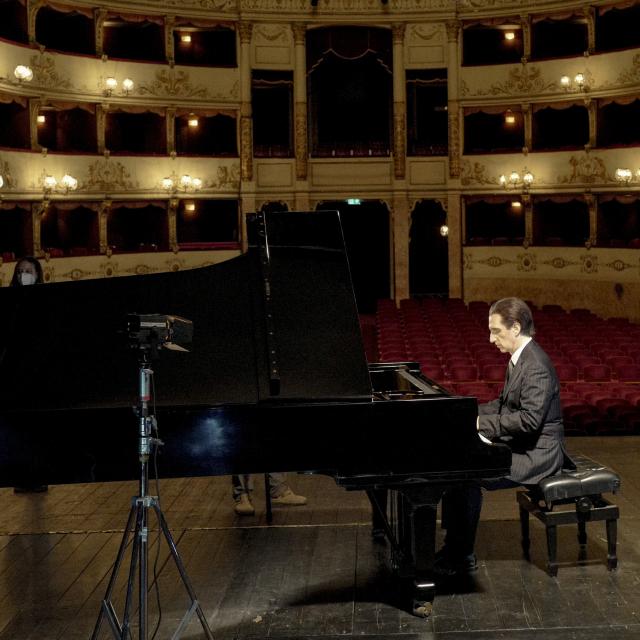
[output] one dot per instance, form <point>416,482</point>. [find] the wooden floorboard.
<point>315,572</point>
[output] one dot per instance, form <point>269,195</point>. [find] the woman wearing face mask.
<point>28,271</point>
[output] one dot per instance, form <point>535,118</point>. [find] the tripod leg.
<point>106,608</point>
<point>195,605</point>
<point>135,553</point>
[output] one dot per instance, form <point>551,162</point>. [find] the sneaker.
<point>243,506</point>
<point>288,498</point>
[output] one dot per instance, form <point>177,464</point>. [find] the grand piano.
<point>275,380</point>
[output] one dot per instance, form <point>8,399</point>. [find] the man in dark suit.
<point>527,416</point>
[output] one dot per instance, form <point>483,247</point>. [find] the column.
<point>37,211</point>
<point>528,127</point>
<point>300,101</point>
<point>592,107</point>
<point>169,48</point>
<point>34,110</point>
<point>170,116</point>
<point>525,23</point>
<point>590,15</point>
<point>592,203</point>
<point>399,102</point>
<point>400,246</point>
<point>101,120</point>
<point>454,221</point>
<point>172,219</point>
<point>453,64</point>
<point>246,136</point>
<point>33,6</point>
<point>527,203</point>
<point>103,217</point>
<point>99,16</point>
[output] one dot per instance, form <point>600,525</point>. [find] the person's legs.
<point>281,493</point>
<point>242,486</point>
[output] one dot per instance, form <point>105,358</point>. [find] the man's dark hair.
<point>514,310</point>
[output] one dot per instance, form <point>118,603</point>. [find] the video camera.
<point>155,330</point>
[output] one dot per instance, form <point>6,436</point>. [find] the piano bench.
<point>582,488</point>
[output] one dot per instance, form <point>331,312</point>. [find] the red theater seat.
<point>596,373</point>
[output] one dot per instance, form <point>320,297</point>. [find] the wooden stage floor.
<point>315,572</point>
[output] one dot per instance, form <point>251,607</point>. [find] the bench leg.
<point>524,532</point>
<point>612,539</point>
<point>552,543</point>
<point>582,532</point>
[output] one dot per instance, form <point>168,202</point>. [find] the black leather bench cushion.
<point>581,482</point>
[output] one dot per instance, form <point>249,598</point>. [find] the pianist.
<point>526,416</point>
<point>279,490</point>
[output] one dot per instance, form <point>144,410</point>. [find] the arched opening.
<point>428,250</point>
<point>366,235</point>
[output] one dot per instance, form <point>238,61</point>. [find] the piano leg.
<point>418,513</point>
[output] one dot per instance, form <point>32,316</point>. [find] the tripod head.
<point>148,333</point>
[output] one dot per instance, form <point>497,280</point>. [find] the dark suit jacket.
<point>528,417</point>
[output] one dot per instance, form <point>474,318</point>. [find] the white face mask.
<point>26,278</point>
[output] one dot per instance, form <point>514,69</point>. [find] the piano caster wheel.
<point>422,608</point>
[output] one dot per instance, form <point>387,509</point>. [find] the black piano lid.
<point>61,348</point>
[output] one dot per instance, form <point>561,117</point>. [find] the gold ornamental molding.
<point>108,175</point>
<point>472,173</point>
<point>586,169</point>
<point>174,83</point>
<point>45,73</point>
<point>521,81</point>
<point>5,171</point>
<point>630,76</point>
<point>273,33</point>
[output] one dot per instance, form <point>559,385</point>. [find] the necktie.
<point>509,372</point>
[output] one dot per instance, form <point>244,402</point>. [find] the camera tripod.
<point>137,530</point>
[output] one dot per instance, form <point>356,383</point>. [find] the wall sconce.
<point>1,182</point>
<point>444,230</point>
<point>625,176</point>
<point>516,181</point>
<point>185,183</point>
<point>509,35</point>
<point>41,118</point>
<point>190,207</point>
<point>192,121</point>
<point>110,85</point>
<point>66,184</point>
<point>127,86</point>
<point>23,73</point>
<point>509,117</point>
<point>185,38</point>
<point>578,82</point>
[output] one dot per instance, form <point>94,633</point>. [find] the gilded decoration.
<point>619,265</point>
<point>246,146</point>
<point>526,262</point>
<point>589,264</point>
<point>475,173</point>
<point>399,155</point>
<point>523,80</point>
<point>301,142</point>
<point>5,171</point>
<point>45,73</point>
<point>425,33</point>
<point>227,178</point>
<point>272,33</point>
<point>216,5</point>
<point>108,175</point>
<point>169,82</point>
<point>631,76</point>
<point>76,274</point>
<point>559,262</point>
<point>586,169</point>
<point>454,140</point>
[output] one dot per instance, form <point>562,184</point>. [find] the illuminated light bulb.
<point>196,183</point>
<point>110,83</point>
<point>579,79</point>
<point>41,118</point>
<point>509,117</point>
<point>193,121</point>
<point>509,35</point>
<point>127,85</point>
<point>514,177</point>
<point>565,81</point>
<point>527,178</point>
<point>516,204</point>
<point>503,180</point>
<point>69,182</point>
<point>1,182</point>
<point>167,183</point>
<point>444,230</point>
<point>186,181</point>
<point>49,182</point>
<point>190,206</point>
<point>624,175</point>
<point>23,73</point>
<point>186,38</point>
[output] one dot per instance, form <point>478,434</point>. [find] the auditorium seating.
<point>600,379</point>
